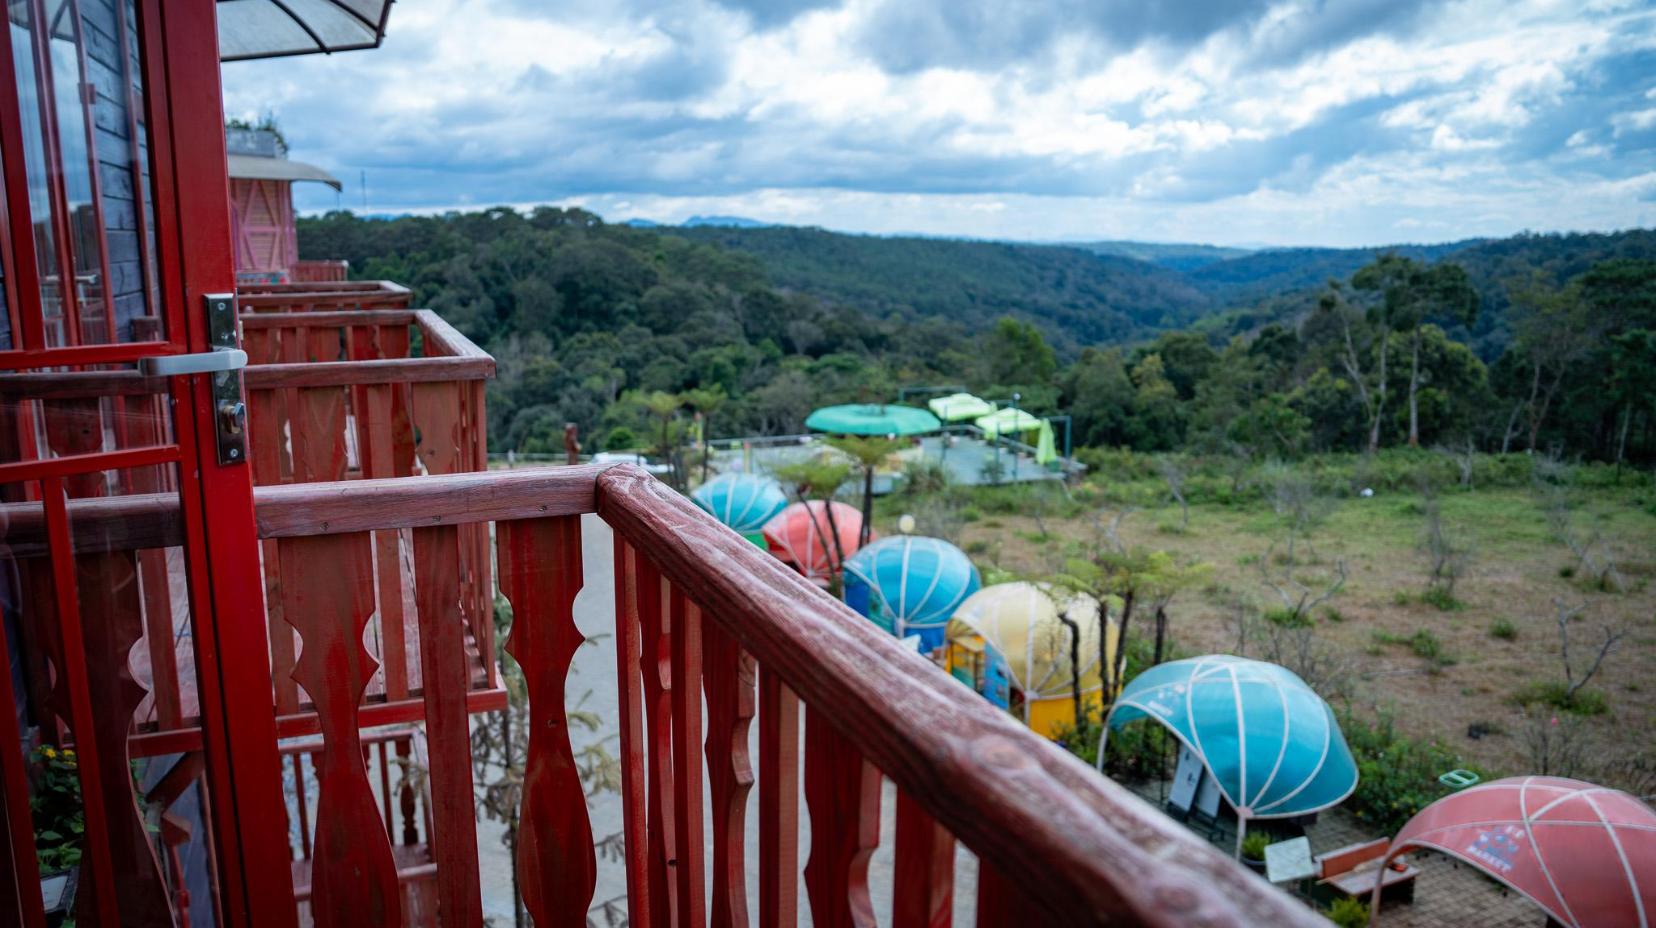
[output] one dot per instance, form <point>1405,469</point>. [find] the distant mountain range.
<point>729,222</point>
<point>1121,291</point>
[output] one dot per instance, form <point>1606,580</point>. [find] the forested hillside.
<point>1543,342</point>
<point>1076,297</point>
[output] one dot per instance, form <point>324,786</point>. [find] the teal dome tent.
<point>745,502</point>
<point>872,419</point>
<point>1271,745</point>
<point>915,584</point>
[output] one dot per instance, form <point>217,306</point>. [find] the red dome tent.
<point>1586,854</point>
<point>800,536</point>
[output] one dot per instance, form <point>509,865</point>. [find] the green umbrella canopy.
<point>958,407</point>
<point>1008,421</point>
<point>872,419</point>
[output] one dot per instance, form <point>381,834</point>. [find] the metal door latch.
<point>224,362</point>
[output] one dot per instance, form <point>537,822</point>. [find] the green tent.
<point>872,419</point>
<point>1009,422</point>
<point>958,407</point>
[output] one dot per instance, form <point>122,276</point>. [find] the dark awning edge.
<point>254,29</point>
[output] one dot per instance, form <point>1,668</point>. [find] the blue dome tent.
<point>914,584</point>
<point>1271,745</point>
<point>745,502</point>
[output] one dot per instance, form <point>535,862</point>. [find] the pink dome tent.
<point>1586,854</point>
<point>800,536</point>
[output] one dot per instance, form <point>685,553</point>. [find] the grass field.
<point>1450,674</point>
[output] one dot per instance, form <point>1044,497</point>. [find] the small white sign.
<point>1288,860</point>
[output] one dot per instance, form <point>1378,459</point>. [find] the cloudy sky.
<point>1338,122</point>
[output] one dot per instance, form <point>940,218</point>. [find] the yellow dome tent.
<point>1020,625</point>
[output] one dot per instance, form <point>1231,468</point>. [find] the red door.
<point>137,742</point>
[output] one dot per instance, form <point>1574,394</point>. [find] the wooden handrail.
<point>1077,841</point>
<point>150,520</point>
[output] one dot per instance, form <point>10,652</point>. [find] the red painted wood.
<point>1097,852</point>
<point>20,887</point>
<point>655,663</point>
<point>354,881</point>
<point>778,801</point>
<point>318,434</point>
<point>842,792</point>
<point>98,860</point>
<point>373,411</point>
<point>922,883</point>
<point>690,886</point>
<point>113,619</point>
<point>540,574</point>
<point>728,679</point>
<point>630,579</point>
<point>193,243</point>
<point>448,735</point>
<point>1001,903</point>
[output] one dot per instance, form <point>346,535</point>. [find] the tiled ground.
<point>1447,892</point>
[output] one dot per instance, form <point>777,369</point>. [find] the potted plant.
<point>1253,850</point>
<point>60,825</point>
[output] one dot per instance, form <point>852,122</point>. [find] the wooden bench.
<point>1350,871</point>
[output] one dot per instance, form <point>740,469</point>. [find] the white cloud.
<point>1344,109</point>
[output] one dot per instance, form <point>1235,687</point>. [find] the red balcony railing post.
<point>540,574</point>
<point>686,643</point>
<point>842,792</point>
<point>631,582</point>
<point>353,877</point>
<point>655,657</point>
<point>728,678</point>
<point>778,801</point>
<point>442,637</point>
<point>922,885</point>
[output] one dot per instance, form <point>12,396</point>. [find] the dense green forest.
<point>1544,342</point>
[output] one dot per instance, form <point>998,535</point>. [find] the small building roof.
<point>254,167</point>
<point>277,28</point>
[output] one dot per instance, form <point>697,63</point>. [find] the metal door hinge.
<point>224,362</point>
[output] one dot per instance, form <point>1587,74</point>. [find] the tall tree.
<point>1410,294</point>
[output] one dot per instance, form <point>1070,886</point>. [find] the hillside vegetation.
<point>1544,343</point>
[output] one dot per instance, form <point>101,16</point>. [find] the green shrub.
<point>1333,615</point>
<point>1425,644</point>
<point>1348,912</point>
<point>1558,696</point>
<point>1288,618</point>
<point>1397,775</point>
<point>1503,629</point>
<point>1444,600</point>
<point>1254,844</point>
<point>620,438</point>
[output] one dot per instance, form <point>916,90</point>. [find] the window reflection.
<point>84,146</point>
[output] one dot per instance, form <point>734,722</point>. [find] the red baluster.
<point>842,792</point>
<point>686,643</point>
<point>923,879</point>
<point>631,579</point>
<point>540,573</point>
<point>778,802</point>
<point>328,598</point>
<point>448,735</point>
<point>728,681</point>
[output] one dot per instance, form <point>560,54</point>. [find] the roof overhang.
<point>253,167</point>
<point>249,29</point>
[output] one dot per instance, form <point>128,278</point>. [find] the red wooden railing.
<point>312,271</point>
<point>322,296</point>
<point>705,619</point>
<point>707,627</point>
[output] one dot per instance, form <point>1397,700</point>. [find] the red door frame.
<point>184,116</point>
<point>194,242</point>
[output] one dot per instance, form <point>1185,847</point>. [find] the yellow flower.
<point>49,752</point>
<point>69,753</point>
